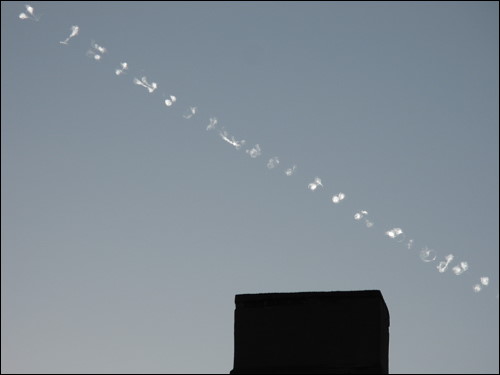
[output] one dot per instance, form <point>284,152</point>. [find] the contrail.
<point>426,254</point>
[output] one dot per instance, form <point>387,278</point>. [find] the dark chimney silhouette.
<point>311,333</point>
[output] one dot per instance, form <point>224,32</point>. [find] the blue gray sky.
<point>128,229</point>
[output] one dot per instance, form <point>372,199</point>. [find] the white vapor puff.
<point>396,233</point>
<point>151,87</point>
<point>192,112</point>
<point>232,141</point>
<point>461,268</point>
<point>93,54</point>
<point>254,152</point>
<point>96,51</point>
<point>362,214</point>
<point>74,32</point>
<point>169,102</point>
<point>31,14</point>
<point>314,185</point>
<point>122,69</point>
<point>485,280</point>
<point>212,124</point>
<point>290,171</point>
<point>359,215</point>
<point>98,48</point>
<point>338,198</point>
<point>427,255</point>
<point>273,162</point>
<point>443,265</point>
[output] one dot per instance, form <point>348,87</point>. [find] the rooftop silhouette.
<point>311,332</point>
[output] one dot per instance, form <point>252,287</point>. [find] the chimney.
<point>311,332</point>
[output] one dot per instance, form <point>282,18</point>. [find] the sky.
<point>128,227</point>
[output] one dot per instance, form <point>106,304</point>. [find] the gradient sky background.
<point>127,230</point>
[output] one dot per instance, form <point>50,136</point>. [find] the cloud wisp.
<point>122,69</point>
<point>254,152</point>
<point>315,184</point>
<point>273,163</point>
<point>151,87</point>
<point>358,216</point>
<point>290,171</point>
<point>428,255</point>
<point>96,51</point>
<point>212,123</point>
<point>191,113</point>
<point>75,30</point>
<point>231,140</point>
